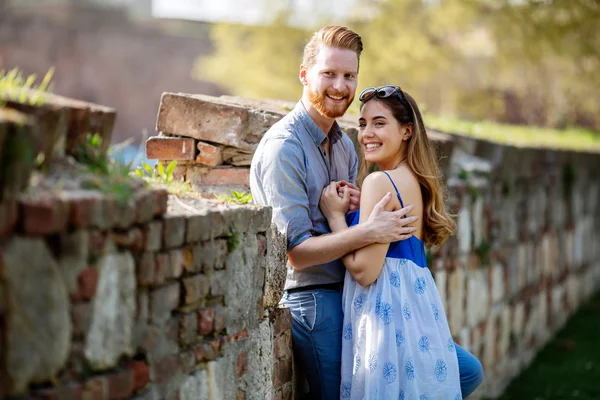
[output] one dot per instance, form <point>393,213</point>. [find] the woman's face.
<point>380,135</point>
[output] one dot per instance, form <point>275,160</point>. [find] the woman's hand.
<point>331,204</point>
<point>343,186</point>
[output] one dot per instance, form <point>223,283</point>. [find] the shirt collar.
<point>317,135</point>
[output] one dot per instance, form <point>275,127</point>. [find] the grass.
<point>518,135</point>
<point>569,366</point>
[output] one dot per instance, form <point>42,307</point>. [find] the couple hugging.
<point>368,321</point>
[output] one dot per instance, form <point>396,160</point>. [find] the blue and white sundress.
<point>396,340</point>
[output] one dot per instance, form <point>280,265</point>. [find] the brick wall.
<point>524,255</point>
<point>154,297</point>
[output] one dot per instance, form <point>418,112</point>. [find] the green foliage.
<point>236,197</point>
<point>529,62</point>
<point>109,176</point>
<point>14,86</point>
<point>233,240</point>
<point>163,176</point>
<point>91,154</point>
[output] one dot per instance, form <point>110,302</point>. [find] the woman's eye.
<point>361,126</point>
<point>379,124</point>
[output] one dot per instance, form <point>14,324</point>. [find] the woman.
<point>396,340</point>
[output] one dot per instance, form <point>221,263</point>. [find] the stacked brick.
<point>147,298</point>
<point>212,138</point>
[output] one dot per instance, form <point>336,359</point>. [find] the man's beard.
<point>318,102</point>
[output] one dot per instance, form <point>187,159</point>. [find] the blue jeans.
<point>317,342</point>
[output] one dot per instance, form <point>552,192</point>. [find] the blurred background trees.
<point>516,61</point>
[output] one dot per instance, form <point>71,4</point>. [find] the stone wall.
<point>154,296</point>
<point>523,258</point>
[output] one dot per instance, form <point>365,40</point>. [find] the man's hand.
<point>354,192</point>
<point>391,226</point>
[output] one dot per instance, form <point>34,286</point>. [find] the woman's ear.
<point>407,131</point>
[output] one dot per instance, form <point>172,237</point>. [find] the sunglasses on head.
<point>381,92</point>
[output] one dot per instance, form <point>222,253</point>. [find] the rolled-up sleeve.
<point>284,185</point>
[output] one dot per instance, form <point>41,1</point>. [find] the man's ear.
<point>302,76</point>
<point>408,131</point>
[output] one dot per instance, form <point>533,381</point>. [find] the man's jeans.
<point>317,340</point>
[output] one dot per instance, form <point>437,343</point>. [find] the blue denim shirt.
<point>289,171</point>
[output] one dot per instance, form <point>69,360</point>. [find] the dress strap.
<point>397,192</point>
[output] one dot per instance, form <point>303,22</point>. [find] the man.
<point>298,157</point>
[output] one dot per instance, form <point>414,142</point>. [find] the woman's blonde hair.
<point>438,224</point>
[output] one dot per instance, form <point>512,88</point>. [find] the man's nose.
<point>339,84</point>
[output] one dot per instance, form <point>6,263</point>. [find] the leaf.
<point>170,169</point>
<point>161,169</point>
<point>139,172</point>
<point>147,167</point>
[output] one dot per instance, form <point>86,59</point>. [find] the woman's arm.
<point>365,264</point>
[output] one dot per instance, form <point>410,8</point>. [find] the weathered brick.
<point>170,148</point>
<point>203,118</point>
<point>85,209</point>
<point>120,384</point>
<point>192,261</point>
<point>188,328</point>
<point>209,155</point>
<point>241,365</point>
<point>282,346</point>
<point>281,319</point>
<point>96,244</point>
<point>153,236</point>
<point>241,335</point>
<point>165,368</point>
<point>206,321</point>
<point>87,281</point>
<point>195,288</point>
<point>9,214</point>
<point>96,388</point>
<point>131,239</point>
<point>208,350</point>
<point>219,176</point>
<point>141,374</point>
<point>282,372</point>
<point>175,267</point>
<point>161,265</point>
<point>43,215</point>
<point>163,300</point>
<point>174,231</point>
<point>161,201</point>
<point>145,204</point>
<point>145,269</point>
